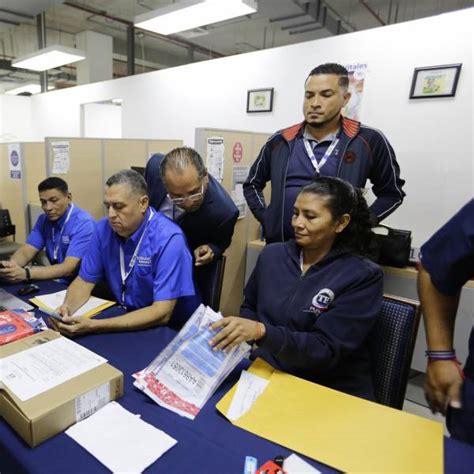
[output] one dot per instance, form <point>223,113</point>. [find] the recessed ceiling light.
<point>188,14</point>
<point>49,58</point>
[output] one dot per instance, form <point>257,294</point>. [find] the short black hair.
<point>53,183</point>
<point>332,68</point>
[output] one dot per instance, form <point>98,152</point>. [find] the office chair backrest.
<point>391,345</point>
<point>6,226</point>
<point>209,282</point>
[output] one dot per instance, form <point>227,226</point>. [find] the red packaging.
<point>13,327</point>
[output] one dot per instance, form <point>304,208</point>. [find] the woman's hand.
<point>233,330</point>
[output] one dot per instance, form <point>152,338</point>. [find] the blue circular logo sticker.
<point>14,158</point>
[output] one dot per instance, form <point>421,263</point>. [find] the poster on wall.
<point>61,157</point>
<point>14,160</point>
<point>357,75</point>
<point>239,175</point>
<point>215,157</point>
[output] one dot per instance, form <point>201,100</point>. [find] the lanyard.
<point>309,150</point>
<point>133,260</point>
<point>57,243</point>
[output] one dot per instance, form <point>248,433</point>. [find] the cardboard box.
<point>54,410</point>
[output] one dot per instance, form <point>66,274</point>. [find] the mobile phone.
<point>28,289</point>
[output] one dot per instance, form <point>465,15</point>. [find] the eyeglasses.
<point>191,197</point>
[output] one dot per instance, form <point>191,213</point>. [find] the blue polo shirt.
<point>71,238</point>
<point>449,259</point>
<point>162,269</point>
<point>301,171</point>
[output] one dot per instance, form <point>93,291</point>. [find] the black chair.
<point>391,346</point>
<point>209,280</point>
<point>6,226</point>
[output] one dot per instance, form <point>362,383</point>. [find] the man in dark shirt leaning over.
<point>181,188</point>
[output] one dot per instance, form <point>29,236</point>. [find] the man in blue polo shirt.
<point>447,262</point>
<point>142,255</point>
<point>64,231</point>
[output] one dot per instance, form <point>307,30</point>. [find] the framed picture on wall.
<point>260,100</point>
<point>435,81</point>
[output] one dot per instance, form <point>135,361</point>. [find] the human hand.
<point>233,330</point>
<point>71,326</point>
<point>11,271</point>
<point>443,383</point>
<point>203,255</point>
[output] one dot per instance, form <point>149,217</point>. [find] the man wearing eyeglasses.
<point>181,188</point>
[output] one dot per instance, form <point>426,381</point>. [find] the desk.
<point>206,445</point>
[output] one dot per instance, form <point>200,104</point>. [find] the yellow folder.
<point>346,432</point>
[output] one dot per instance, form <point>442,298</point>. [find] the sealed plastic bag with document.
<point>187,372</point>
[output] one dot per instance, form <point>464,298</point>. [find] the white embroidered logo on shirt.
<point>321,301</point>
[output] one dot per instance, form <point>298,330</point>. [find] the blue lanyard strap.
<point>309,151</point>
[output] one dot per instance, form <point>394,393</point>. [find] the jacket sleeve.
<point>223,235</point>
<point>335,334</point>
<point>259,175</point>
<point>249,306</point>
<point>385,178</point>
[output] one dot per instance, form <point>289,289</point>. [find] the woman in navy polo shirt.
<point>311,302</point>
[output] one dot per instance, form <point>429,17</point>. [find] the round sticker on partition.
<point>14,158</point>
<point>323,299</point>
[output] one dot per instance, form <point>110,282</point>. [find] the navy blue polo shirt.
<point>449,259</point>
<point>162,269</point>
<point>301,172</point>
<point>70,239</point>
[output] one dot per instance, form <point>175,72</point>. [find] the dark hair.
<point>180,158</point>
<point>332,68</point>
<point>343,198</point>
<point>132,178</point>
<point>53,183</point>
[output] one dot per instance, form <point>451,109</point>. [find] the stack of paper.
<point>89,309</point>
<point>188,371</point>
<point>120,440</point>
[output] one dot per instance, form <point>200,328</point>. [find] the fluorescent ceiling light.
<point>189,14</point>
<point>31,88</point>
<point>49,58</point>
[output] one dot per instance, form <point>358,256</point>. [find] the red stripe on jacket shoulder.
<point>350,127</point>
<point>290,133</point>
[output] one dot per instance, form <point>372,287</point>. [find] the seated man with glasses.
<point>181,188</point>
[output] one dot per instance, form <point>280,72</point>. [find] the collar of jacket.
<point>293,251</point>
<point>349,127</point>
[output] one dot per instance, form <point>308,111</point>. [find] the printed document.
<point>250,387</point>
<point>33,371</point>
<point>187,372</point>
<point>121,440</point>
<point>90,308</point>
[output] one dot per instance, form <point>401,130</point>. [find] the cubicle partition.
<point>21,166</point>
<point>85,163</point>
<point>239,150</point>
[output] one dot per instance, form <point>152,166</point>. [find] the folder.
<point>89,309</point>
<point>340,430</point>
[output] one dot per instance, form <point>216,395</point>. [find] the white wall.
<point>101,121</point>
<point>15,119</point>
<point>432,138</point>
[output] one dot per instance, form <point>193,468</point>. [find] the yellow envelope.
<point>89,314</point>
<point>346,432</point>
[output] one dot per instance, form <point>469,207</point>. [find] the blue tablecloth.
<point>209,444</point>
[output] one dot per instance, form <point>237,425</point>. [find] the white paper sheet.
<point>33,371</point>
<point>250,387</point>
<point>61,158</point>
<point>54,300</point>
<point>120,440</point>
<point>295,465</point>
